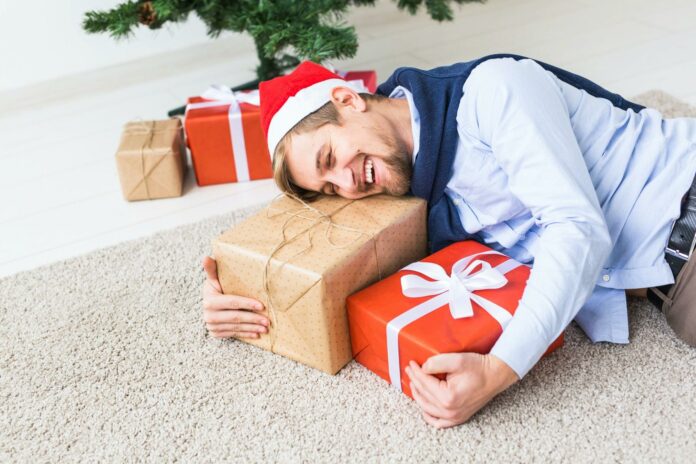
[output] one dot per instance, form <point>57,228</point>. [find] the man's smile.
<point>369,173</point>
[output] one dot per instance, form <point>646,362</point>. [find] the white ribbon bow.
<point>223,93</point>
<point>460,284</point>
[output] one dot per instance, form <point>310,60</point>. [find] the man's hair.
<point>327,114</point>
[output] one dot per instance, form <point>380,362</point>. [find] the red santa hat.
<point>286,100</point>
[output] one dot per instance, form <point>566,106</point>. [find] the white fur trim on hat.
<point>304,102</point>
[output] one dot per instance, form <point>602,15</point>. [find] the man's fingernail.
<point>258,306</point>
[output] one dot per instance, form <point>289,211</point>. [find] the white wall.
<point>43,39</point>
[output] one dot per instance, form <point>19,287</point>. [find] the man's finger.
<point>417,381</point>
<point>235,316</point>
<point>443,363</point>
<point>244,327</point>
<point>428,384</point>
<point>210,268</point>
<point>425,404</point>
<point>437,422</point>
<point>219,302</point>
<point>228,334</point>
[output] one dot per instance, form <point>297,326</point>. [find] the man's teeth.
<point>369,171</point>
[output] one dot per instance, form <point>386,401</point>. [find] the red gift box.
<point>223,132</point>
<point>441,304</point>
<point>369,78</point>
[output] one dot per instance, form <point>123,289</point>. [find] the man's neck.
<point>398,114</point>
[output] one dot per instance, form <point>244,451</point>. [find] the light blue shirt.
<point>582,191</point>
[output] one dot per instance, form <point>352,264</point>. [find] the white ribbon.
<point>220,96</point>
<point>223,93</point>
<point>455,289</point>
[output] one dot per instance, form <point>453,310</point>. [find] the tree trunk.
<point>268,68</point>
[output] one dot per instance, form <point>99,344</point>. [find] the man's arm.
<point>521,114</point>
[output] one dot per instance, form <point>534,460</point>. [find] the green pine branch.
<point>284,31</point>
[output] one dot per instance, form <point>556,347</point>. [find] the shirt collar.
<point>402,92</point>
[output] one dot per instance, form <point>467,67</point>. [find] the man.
<point>536,162</point>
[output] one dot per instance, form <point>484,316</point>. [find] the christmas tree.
<point>284,32</point>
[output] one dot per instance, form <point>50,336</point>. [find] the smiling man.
<point>595,192</point>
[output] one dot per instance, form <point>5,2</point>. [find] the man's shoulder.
<point>503,70</point>
<point>406,75</point>
<point>495,66</point>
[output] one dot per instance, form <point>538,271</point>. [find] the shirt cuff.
<point>604,316</point>
<point>521,345</point>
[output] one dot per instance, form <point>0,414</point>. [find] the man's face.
<point>363,156</point>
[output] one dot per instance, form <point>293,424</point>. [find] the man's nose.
<point>343,178</point>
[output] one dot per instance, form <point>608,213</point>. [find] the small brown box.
<point>331,251</point>
<point>151,159</point>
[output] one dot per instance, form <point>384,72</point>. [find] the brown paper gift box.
<point>151,159</point>
<point>330,253</point>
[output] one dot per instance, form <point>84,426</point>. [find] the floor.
<point>58,182</point>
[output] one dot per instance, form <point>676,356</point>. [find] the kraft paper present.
<point>455,300</point>
<point>303,262</point>
<point>151,159</point>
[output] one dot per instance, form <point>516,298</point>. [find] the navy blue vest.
<point>436,94</point>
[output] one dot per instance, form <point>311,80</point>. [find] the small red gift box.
<point>223,132</point>
<point>369,78</point>
<point>441,304</point>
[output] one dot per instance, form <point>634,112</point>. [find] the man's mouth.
<point>369,171</point>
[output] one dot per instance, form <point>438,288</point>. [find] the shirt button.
<point>605,277</point>
<point>457,201</point>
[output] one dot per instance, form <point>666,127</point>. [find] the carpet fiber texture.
<point>105,357</point>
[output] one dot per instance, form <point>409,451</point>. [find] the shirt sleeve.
<point>517,109</point>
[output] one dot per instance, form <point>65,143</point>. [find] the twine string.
<point>307,232</point>
<point>141,127</point>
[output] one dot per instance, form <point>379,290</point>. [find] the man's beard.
<point>400,167</point>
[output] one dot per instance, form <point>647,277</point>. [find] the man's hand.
<point>229,315</point>
<point>472,381</point>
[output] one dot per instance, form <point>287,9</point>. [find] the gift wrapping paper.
<point>302,264</point>
<point>151,159</point>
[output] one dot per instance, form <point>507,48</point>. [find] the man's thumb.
<point>210,268</point>
<point>443,363</point>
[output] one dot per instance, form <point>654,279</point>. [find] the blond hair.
<point>327,114</point>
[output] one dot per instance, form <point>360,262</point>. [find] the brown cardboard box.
<point>151,159</point>
<point>329,253</point>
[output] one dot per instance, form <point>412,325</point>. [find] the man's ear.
<point>345,97</point>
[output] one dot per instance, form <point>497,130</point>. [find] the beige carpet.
<point>105,357</point>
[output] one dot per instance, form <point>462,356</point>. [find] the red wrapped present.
<point>458,299</point>
<point>223,132</point>
<point>368,78</point>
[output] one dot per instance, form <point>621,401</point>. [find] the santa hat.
<point>286,100</point>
